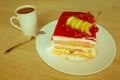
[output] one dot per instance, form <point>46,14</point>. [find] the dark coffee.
<point>25,10</point>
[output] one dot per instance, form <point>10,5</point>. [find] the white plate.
<point>105,53</point>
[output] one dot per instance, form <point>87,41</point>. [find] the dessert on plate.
<point>74,36</point>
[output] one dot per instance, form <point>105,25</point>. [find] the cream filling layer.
<point>74,47</point>
<point>59,38</point>
<point>76,53</point>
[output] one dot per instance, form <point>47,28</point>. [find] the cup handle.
<point>14,25</point>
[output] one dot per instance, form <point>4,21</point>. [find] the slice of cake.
<point>75,36</point>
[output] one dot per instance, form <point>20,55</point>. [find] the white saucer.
<point>105,53</point>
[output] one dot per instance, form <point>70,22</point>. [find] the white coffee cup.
<point>26,15</point>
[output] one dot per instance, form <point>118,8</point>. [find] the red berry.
<point>95,29</point>
<point>94,35</point>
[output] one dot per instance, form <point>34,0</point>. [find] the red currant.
<point>95,29</point>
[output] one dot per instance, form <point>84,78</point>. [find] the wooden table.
<point>24,63</point>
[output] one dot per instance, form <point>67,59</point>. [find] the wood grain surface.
<point>24,63</point>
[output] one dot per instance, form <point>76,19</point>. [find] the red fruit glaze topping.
<point>64,30</point>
